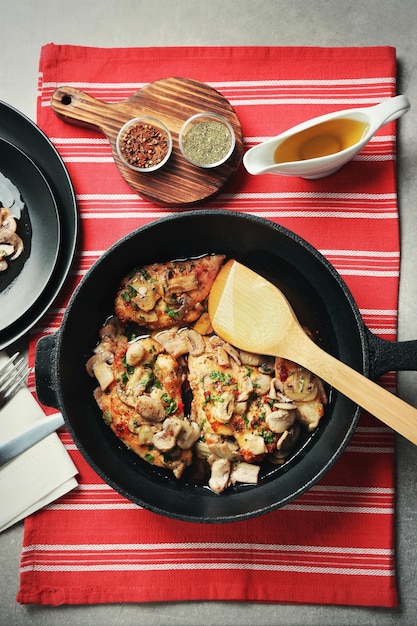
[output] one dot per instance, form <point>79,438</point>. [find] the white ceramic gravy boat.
<point>322,145</point>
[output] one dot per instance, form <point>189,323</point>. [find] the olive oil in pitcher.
<point>321,140</point>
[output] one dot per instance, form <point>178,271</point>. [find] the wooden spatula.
<point>252,314</point>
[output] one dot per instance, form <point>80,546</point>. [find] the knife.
<point>12,448</point>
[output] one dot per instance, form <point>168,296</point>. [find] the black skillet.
<point>321,301</point>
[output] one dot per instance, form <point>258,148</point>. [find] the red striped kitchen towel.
<point>335,544</point>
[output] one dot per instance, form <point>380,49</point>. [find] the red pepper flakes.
<point>144,145</point>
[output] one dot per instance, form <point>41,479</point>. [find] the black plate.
<point>26,277</point>
<point>25,135</point>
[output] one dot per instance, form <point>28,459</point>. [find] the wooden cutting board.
<point>173,101</point>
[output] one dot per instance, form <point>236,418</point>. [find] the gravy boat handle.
<point>387,111</point>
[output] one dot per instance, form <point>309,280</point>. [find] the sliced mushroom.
<point>284,445</point>
<point>184,303</point>
<point>225,450</point>
<point>240,407</point>
<point>195,341</point>
<point>222,407</point>
<point>173,342</point>
<point>310,413</point>
<point>231,351</point>
<point>220,472</point>
<point>150,409</point>
<point>104,374</point>
<point>100,355</point>
<point>298,383</point>
<point>188,435</point>
<point>135,353</point>
<point>275,390</point>
<point>250,358</point>
<point>99,366</point>
<point>145,297</point>
<point>145,434</point>
<point>288,439</point>
<point>222,356</point>
<point>281,401</point>
<point>246,388</point>
<point>166,439</point>
<point>251,445</point>
<point>9,223</point>
<point>6,249</point>
<point>300,388</point>
<point>181,283</point>
<point>110,333</point>
<point>245,473</point>
<point>279,421</point>
<point>11,238</point>
<point>261,383</point>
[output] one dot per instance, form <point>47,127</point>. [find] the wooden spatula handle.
<point>387,407</point>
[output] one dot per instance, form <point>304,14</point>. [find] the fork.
<point>12,377</point>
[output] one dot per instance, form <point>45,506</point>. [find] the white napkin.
<point>41,474</point>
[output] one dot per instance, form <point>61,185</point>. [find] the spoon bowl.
<point>271,328</point>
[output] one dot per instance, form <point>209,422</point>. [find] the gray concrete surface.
<point>25,25</point>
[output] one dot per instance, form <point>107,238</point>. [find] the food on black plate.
<point>11,245</point>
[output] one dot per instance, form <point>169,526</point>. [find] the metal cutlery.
<point>13,374</point>
<point>12,377</point>
<point>14,447</point>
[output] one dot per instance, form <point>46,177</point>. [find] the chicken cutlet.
<point>140,396</point>
<point>162,295</point>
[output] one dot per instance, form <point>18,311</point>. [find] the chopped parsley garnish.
<point>142,271</point>
<point>107,417</point>
<point>129,368</point>
<point>129,293</point>
<point>172,313</point>
<point>267,436</point>
<point>170,404</point>
<point>221,377</point>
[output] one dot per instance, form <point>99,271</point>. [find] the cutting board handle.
<point>77,107</point>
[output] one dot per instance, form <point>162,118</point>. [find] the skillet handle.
<point>45,360</point>
<point>386,356</point>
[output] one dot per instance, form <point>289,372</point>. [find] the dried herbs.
<point>207,142</point>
